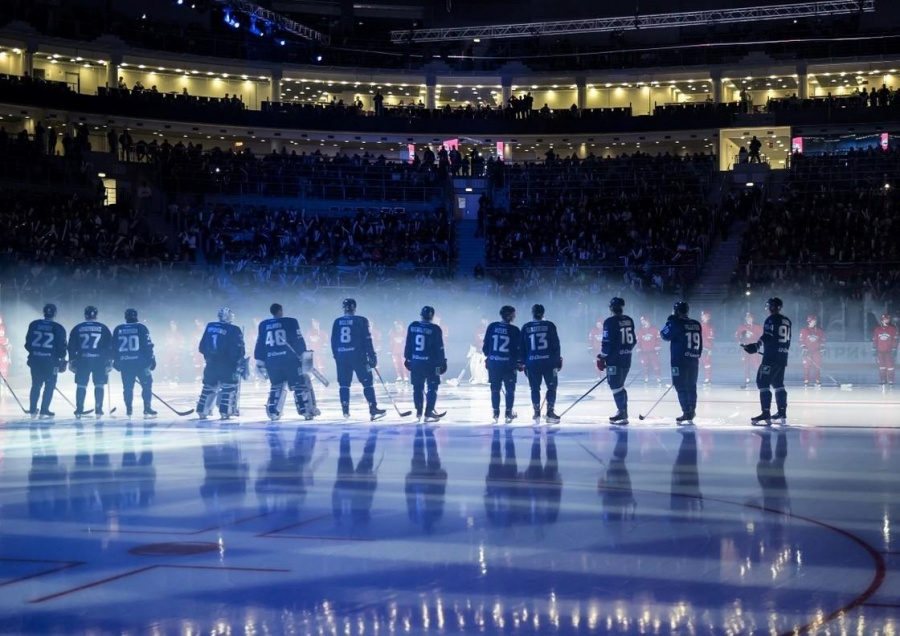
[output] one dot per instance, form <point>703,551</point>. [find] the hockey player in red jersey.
<point>595,339</point>
<point>749,332</point>
<point>812,346</point>
<point>884,342</point>
<point>709,338</point>
<point>648,345</point>
<point>316,341</point>
<point>398,343</point>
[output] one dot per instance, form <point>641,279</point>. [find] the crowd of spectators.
<point>65,229</point>
<point>832,231</point>
<point>640,215</point>
<point>289,174</point>
<point>292,241</point>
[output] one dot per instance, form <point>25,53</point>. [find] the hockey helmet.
<point>748,318</point>
<point>226,315</point>
<point>681,308</point>
<point>645,322</point>
<point>131,315</point>
<point>705,316</point>
<point>774,304</point>
<point>349,305</point>
<point>811,320</point>
<point>537,311</point>
<point>275,309</point>
<point>617,304</point>
<point>90,312</point>
<point>507,312</point>
<point>885,319</point>
<point>427,312</point>
<point>49,311</point>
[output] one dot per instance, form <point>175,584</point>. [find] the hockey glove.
<point>559,365</point>
<point>116,365</point>
<point>61,367</point>
<point>71,367</point>
<point>372,360</point>
<point>521,366</point>
<point>443,368</point>
<point>407,365</point>
<point>153,363</point>
<point>261,369</point>
<point>601,363</point>
<point>751,348</point>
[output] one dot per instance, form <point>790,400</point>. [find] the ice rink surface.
<point>333,527</point>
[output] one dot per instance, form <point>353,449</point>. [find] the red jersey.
<point>376,339</point>
<point>595,338</point>
<point>885,338</point>
<point>748,333</point>
<point>398,341</point>
<point>479,339</point>
<point>709,336</point>
<point>648,339</point>
<point>812,338</point>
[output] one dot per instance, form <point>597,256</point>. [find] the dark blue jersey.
<point>685,338</point>
<point>351,339</point>
<point>540,343</point>
<point>222,343</point>
<point>618,340</point>
<point>90,341</point>
<point>424,345</point>
<point>46,342</point>
<point>776,340</point>
<point>279,341</point>
<point>502,344</point>
<point>132,345</point>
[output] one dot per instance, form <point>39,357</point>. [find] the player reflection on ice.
<point>354,487</point>
<point>530,497</point>
<point>284,480</point>
<point>426,481</point>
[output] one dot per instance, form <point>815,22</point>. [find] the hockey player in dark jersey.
<point>280,354</point>
<point>45,342</point>
<point>424,357</point>
<point>222,347</point>
<point>543,360</point>
<point>90,357</point>
<point>775,344</point>
<point>502,348</point>
<point>615,356</point>
<point>353,351</point>
<point>685,338</point>
<point>134,359</point>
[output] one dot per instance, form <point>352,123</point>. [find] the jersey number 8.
<point>345,335</point>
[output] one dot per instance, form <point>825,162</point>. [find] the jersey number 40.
<point>278,338</point>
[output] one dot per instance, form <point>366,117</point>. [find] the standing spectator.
<point>112,141</point>
<point>379,104</point>
<point>755,145</point>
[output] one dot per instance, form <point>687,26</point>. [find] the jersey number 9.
<point>420,342</point>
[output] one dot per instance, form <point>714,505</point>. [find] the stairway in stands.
<point>469,249</point>
<point>713,285</point>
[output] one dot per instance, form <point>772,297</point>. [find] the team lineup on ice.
<point>500,352</point>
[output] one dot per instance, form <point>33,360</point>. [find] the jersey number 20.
<point>129,343</point>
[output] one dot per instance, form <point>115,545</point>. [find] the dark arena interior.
<point>449,317</point>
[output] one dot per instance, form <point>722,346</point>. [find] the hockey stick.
<point>665,393</point>
<point>589,391</point>
<point>390,397</point>
<point>315,372</point>
<point>806,356</point>
<point>15,397</point>
<point>87,412</point>
<point>170,407</point>
<point>455,381</point>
